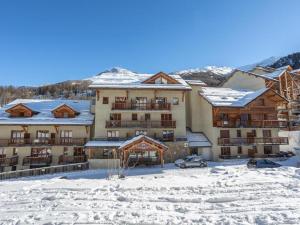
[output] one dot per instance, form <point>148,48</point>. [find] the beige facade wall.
<point>103,111</point>
<point>241,80</point>
<point>56,151</point>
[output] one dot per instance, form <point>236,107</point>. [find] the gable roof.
<point>151,80</point>
<point>22,105</point>
<point>141,138</point>
<point>45,115</point>
<point>227,97</point>
<point>64,105</point>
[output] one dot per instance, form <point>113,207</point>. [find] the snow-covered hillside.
<point>213,69</point>
<point>263,63</point>
<point>220,194</point>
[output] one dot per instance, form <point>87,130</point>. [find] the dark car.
<point>262,163</point>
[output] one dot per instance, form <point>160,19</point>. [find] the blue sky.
<point>46,41</point>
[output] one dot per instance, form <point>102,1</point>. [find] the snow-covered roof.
<point>276,73</point>
<point>139,138</point>
<point>230,97</point>
<point>122,78</point>
<point>44,116</point>
<point>104,143</point>
<point>197,139</point>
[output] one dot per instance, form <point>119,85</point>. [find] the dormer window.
<point>64,111</point>
<point>21,110</point>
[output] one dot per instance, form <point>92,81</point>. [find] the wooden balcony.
<point>67,159</point>
<point>42,142</point>
<point>37,160</point>
<point>253,141</point>
<point>9,161</point>
<point>253,124</point>
<point>140,124</point>
<point>141,106</point>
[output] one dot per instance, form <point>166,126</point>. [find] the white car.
<point>191,161</point>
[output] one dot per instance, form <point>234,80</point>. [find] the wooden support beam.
<point>25,129</point>
<point>56,129</point>
<point>98,95</point>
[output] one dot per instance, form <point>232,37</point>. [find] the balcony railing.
<point>42,141</point>
<point>67,159</point>
<point>141,106</point>
<point>253,141</point>
<point>253,123</point>
<point>37,160</point>
<point>140,124</point>
<point>9,161</point>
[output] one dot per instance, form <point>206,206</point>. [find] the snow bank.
<point>221,194</point>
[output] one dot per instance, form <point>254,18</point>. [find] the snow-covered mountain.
<point>263,63</point>
<point>213,69</point>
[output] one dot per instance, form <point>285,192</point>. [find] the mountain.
<point>293,60</point>
<point>263,63</point>
<point>211,75</point>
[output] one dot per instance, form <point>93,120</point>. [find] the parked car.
<point>262,163</point>
<point>285,154</point>
<point>191,161</point>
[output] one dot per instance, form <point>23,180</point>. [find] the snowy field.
<point>223,193</point>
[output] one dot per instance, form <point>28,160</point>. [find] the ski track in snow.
<point>215,195</point>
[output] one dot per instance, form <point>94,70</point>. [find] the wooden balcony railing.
<point>42,141</point>
<point>9,161</point>
<point>140,124</point>
<point>67,159</point>
<point>253,123</point>
<point>141,106</point>
<point>252,141</point>
<point>37,160</point>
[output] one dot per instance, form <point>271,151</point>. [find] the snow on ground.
<point>223,193</point>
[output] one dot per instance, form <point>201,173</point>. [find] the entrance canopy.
<point>139,149</point>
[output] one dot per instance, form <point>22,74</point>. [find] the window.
<point>147,116</point>
<point>66,136</point>
<point>65,115</point>
<point>267,133</point>
<point>112,134</point>
<point>140,132</point>
<point>105,100</point>
<point>224,134</point>
<point>40,152</point>
<point>78,151</point>
<point>42,134</point>
<point>238,133</point>
<point>160,100</point>
<point>141,100</point>
<point>225,151</point>
<point>239,150</point>
<point>2,153</point>
<point>168,135</point>
<point>115,116</point>
<point>17,134</point>
<point>65,151</point>
<point>134,116</point>
<point>175,101</point>
<point>161,80</point>
<point>120,99</point>
<point>267,150</point>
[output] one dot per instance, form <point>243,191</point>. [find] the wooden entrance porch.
<point>142,150</point>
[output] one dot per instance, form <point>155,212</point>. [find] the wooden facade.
<point>20,110</point>
<point>260,113</point>
<point>64,111</point>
